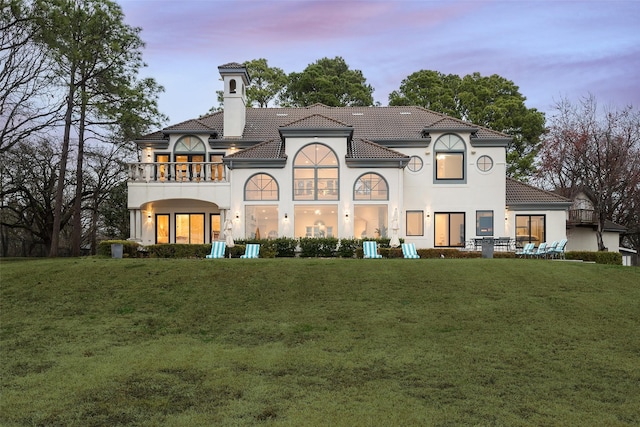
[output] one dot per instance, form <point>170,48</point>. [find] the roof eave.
<point>279,163</point>
<point>240,144</point>
<point>161,144</point>
<point>399,162</point>
<point>403,143</point>
<point>490,142</point>
<point>337,132</point>
<point>536,206</point>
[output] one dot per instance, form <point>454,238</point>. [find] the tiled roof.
<point>271,149</point>
<point>521,193</point>
<point>231,65</point>
<point>361,148</point>
<point>370,123</point>
<point>316,120</point>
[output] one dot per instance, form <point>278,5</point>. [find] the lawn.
<point>318,342</point>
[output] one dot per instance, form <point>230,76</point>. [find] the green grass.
<point>157,342</point>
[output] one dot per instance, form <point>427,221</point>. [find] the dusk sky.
<point>549,48</point>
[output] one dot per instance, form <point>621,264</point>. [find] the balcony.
<point>165,172</point>
<point>582,217</point>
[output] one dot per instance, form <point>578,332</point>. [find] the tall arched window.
<point>315,173</point>
<point>261,186</point>
<point>189,154</point>
<point>371,186</point>
<point>450,156</point>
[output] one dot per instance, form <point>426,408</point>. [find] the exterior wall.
<point>585,239</point>
<point>482,191</point>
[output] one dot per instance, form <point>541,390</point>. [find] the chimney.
<point>236,79</point>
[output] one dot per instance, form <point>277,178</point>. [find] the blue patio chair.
<point>252,250</point>
<point>409,250</point>
<point>558,251</point>
<point>541,251</point>
<point>526,251</point>
<point>217,249</point>
<point>370,249</point>
<point>548,252</point>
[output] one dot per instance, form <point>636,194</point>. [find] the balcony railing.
<point>177,172</point>
<point>582,216</point>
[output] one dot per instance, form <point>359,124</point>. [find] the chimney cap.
<point>234,68</point>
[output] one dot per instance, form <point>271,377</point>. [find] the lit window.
<point>261,187</point>
<point>450,153</point>
<point>261,222</point>
<point>371,186</point>
<point>315,173</point>
<point>190,228</point>
<point>449,229</point>
<point>370,221</point>
<point>415,223</point>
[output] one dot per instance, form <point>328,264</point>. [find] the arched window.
<point>232,86</point>
<point>371,186</point>
<point>315,173</point>
<point>189,154</point>
<point>261,186</point>
<point>450,156</point>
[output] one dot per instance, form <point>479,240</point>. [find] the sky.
<point>551,49</point>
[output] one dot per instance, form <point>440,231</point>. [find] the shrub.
<point>318,247</point>
<point>347,248</point>
<point>614,258</point>
<point>177,250</point>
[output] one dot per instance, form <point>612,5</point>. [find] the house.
<point>331,171</point>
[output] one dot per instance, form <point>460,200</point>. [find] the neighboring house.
<point>332,171</point>
<point>582,226</point>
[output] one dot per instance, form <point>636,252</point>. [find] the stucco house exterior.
<point>345,172</point>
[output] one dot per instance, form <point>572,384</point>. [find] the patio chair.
<point>548,252</point>
<point>409,250</point>
<point>217,249</point>
<point>526,251</point>
<point>558,251</point>
<point>252,250</point>
<point>370,249</point>
<point>541,251</point>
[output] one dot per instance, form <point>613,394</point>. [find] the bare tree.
<point>28,101</point>
<point>598,150</point>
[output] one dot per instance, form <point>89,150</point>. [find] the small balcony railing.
<point>582,216</point>
<point>177,172</point>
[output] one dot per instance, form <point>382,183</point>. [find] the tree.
<point>330,82</point>
<point>97,57</point>
<point>29,172</point>
<point>493,102</point>
<point>598,151</point>
<point>266,82</point>
<point>28,104</point>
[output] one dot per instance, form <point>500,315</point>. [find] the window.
<point>485,163</point>
<point>261,222</point>
<point>530,229</point>
<point>189,156</point>
<point>415,223</point>
<point>449,229</point>
<point>315,173</point>
<point>232,86</point>
<point>449,150</point>
<point>215,226</point>
<point>162,228</point>
<point>484,223</point>
<point>415,163</point>
<point>371,186</point>
<point>370,221</point>
<point>190,228</point>
<point>261,187</point>
<point>315,220</point>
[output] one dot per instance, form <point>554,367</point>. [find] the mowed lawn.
<point>318,342</point>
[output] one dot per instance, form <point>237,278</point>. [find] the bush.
<point>176,250</point>
<point>613,258</point>
<point>318,247</point>
<point>347,248</point>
